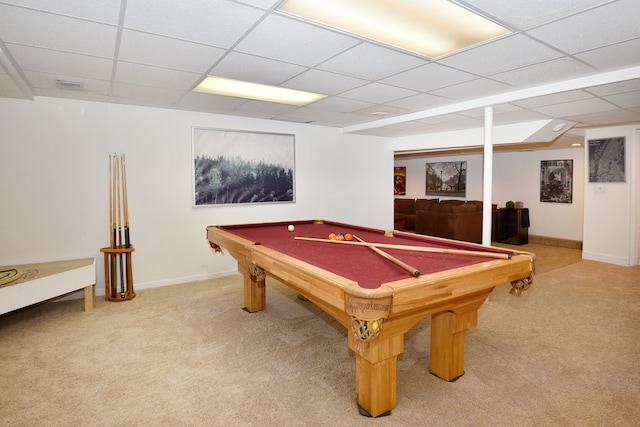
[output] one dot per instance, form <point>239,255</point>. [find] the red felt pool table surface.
<point>359,263</point>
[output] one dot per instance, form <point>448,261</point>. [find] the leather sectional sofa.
<point>452,219</point>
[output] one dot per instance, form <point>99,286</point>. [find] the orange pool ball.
<point>348,236</point>
<point>332,236</point>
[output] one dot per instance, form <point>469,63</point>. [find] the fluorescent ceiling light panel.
<point>260,92</point>
<point>431,28</point>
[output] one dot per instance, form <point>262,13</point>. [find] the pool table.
<point>369,293</point>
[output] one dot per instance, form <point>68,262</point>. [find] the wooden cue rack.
<point>114,257</point>
<point>118,274</point>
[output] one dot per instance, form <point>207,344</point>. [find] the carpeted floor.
<point>563,354</point>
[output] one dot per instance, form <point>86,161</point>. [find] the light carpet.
<point>563,354</point>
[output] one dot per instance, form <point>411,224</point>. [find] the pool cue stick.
<point>414,248</point>
<point>127,242</point>
<point>119,180</point>
<point>111,234</point>
<point>125,205</point>
<point>114,260</point>
<point>414,272</point>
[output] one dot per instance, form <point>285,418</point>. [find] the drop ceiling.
<point>573,60</point>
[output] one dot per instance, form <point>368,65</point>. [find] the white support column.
<point>488,176</point>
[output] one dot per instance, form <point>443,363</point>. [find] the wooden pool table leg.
<point>376,374</point>
<point>447,343</point>
<point>254,288</point>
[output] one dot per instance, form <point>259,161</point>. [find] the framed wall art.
<point>238,167</point>
<point>556,181</point>
<point>399,180</point>
<point>446,179</point>
<point>606,160</point>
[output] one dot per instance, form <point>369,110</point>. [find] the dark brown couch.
<point>404,210</point>
<point>455,219</point>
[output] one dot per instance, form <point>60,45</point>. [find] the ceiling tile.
<point>306,114</point>
<point>613,88</point>
<point>613,57</point>
<point>214,22</point>
<point>250,68</point>
<point>166,52</point>
<point>127,72</point>
<point>605,118</point>
<point>545,72</point>
<point>518,116</point>
<point>382,111</point>
<point>265,108</point>
<point>323,82</point>
<point>341,105</point>
<point>579,33</point>
<point>501,55</point>
<point>39,29</point>
<point>556,98</point>
<point>41,81</point>
<point>422,101</point>
<point>377,93</point>
<point>344,120</point>
<point>146,94</point>
<point>528,14</point>
<point>370,61</point>
<point>573,108</point>
<point>210,102</point>
<point>472,89</point>
<point>264,4</point>
<point>625,100</point>
<point>56,62</point>
<point>310,46</point>
<point>107,11</point>
<point>428,77</point>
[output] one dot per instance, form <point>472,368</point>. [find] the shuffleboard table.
<point>377,298</point>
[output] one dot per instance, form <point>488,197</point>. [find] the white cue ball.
<point>291,228</point>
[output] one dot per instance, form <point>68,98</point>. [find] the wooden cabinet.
<point>513,226</point>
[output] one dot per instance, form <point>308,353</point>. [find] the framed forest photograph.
<point>556,181</point>
<point>239,167</point>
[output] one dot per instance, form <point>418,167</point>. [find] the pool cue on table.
<point>499,255</point>
<point>414,272</point>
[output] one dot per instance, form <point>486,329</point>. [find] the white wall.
<point>54,183</point>
<point>516,176</point>
<point>610,219</point>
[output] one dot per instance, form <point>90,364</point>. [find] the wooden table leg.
<point>447,343</point>
<point>89,295</point>
<point>376,374</point>
<point>254,288</point>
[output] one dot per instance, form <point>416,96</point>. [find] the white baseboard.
<point>606,258</point>
<point>157,284</point>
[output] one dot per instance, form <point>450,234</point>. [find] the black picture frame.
<point>446,179</point>
<point>556,181</point>
<point>607,159</point>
